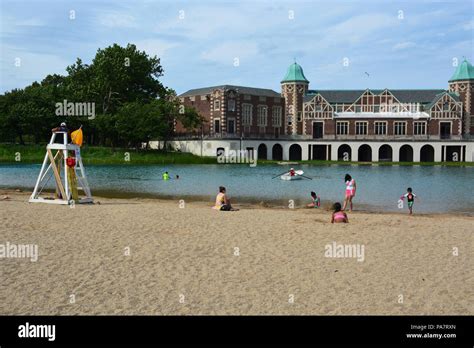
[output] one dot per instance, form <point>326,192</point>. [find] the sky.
<point>340,44</point>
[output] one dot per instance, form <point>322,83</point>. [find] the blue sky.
<point>400,44</point>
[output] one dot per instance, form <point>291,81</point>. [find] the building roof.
<point>350,96</point>
<point>263,92</point>
<point>464,71</point>
<point>294,74</point>
<point>438,96</point>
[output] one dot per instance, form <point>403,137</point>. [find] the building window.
<point>361,128</point>
<point>231,126</point>
<point>376,108</point>
<point>247,114</point>
<point>319,108</point>
<point>299,116</point>
<point>446,106</point>
<point>262,98</point>
<point>262,116</point>
<point>217,104</point>
<point>358,109</point>
<point>342,128</point>
<point>276,116</point>
<point>203,97</point>
<point>400,128</point>
<point>419,128</point>
<point>231,105</point>
<point>339,108</point>
<point>380,128</point>
<point>288,120</point>
<point>217,128</point>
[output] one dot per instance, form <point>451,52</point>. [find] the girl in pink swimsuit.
<point>338,215</point>
<point>350,191</point>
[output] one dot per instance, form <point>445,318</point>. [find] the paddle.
<point>306,177</point>
<point>279,175</point>
<point>300,173</point>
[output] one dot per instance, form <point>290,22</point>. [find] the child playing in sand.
<point>410,199</point>
<point>315,201</point>
<point>339,215</point>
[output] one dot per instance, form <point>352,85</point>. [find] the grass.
<point>107,155</point>
<point>103,155</point>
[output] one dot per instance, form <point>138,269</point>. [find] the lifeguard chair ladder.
<point>56,166</point>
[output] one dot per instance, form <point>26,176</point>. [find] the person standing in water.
<point>166,176</point>
<point>350,191</point>
<point>410,199</point>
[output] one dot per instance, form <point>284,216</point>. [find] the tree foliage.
<point>131,104</point>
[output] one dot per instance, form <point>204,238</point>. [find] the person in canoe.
<point>222,201</point>
<point>292,172</point>
<point>350,191</point>
<point>315,201</point>
<point>338,215</point>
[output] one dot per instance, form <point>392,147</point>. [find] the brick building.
<point>346,119</point>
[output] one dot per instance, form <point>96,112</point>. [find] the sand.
<point>185,261</point>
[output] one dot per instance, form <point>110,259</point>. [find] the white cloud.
<point>403,45</point>
<point>116,20</point>
<point>359,28</point>
<point>31,22</point>
<point>226,53</point>
<point>33,67</point>
<point>469,25</point>
<point>155,46</point>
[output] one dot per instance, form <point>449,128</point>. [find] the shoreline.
<point>243,203</point>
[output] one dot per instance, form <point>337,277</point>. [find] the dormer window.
<point>217,105</point>
<point>446,106</point>
<point>231,105</point>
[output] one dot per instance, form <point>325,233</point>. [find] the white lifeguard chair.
<point>56,166</point>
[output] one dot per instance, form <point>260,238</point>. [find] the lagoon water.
<point>439,188</point>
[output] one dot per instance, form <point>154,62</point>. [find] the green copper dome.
<point>464,71</point>
<point>294,74</point>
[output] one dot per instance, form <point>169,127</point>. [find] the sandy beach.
<point>153,257</point>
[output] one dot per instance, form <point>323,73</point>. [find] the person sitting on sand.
<point>222,202</point>
<point>339,215</point>
<point>410,199</point>
<point>316,202</point>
